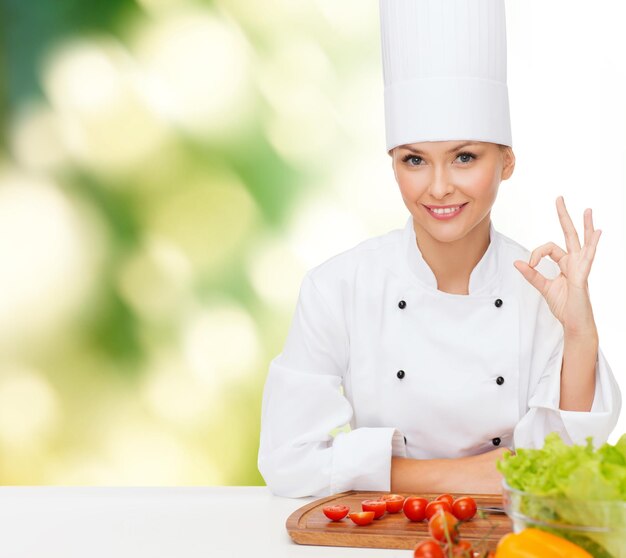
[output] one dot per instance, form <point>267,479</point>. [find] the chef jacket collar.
<point>483,274</point>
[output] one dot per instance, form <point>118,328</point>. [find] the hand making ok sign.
<point>567,295</point>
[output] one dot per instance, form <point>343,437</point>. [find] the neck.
<point>452,262</point>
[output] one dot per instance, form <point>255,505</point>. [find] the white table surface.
<point>173,522</point>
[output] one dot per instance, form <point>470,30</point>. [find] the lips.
<point>448,215</point>
<point>445,206</point>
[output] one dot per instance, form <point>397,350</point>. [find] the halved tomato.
<point>379,507</point>
<point>394,502</point>
<point>336,513</point>
<point>362,518</point>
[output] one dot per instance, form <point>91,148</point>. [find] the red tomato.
<point>441,522</point>
<point>362,518</point>
<point>435,505</point>
<point>336,513</point>
<point>415,508</point>
<point>394,502</point>
<point>392,497</point>
<point>445,498</point>
<point>462,549</point>
<point>428,549</point>
<point>379,507</point>
<point>464,508</point>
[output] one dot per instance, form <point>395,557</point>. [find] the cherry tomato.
<point>415,508</point>
<point>445,498</point>
<point>462,549</point>
<point>379,507</point>
<point>336,513</point>
<point>435,505</point>
<point>393,497</point>
<point>428,549</point>
<point>394,502</point>
<point>463,545</point>
<point>441,522</point>
<point>362,518</point>
<point>464,508</point>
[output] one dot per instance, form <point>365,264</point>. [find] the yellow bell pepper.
<point>535,543</point>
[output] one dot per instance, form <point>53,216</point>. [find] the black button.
<point>402,304</point>
<point>496,441</point>
<point>400,374</point>
<point>499,380</point>
<point>498,303</point>
<point>405,439</point>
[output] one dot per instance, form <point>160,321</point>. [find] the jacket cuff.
<point>545,416</point>
<point>600,420</point>
<point>362,458</point>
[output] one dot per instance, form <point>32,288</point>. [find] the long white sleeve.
<point>543,414</point>
<point>302,403</point>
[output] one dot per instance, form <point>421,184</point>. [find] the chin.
<point>447,233</point>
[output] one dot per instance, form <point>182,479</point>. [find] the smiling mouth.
<point>449,210</point>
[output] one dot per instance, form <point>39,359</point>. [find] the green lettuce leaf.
<point>573,485</point>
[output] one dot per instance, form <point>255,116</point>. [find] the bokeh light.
<point>274,271</point>
<point>37,140</point>
<point>221,345</point>
<point>24,389</point>
<point>54,256</point>
<point>95,86</point>
<point>198,67</point>
<point>156,280</point>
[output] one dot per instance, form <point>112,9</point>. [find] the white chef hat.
<point>444,69</point>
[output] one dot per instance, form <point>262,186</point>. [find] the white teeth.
<point>446,210</point>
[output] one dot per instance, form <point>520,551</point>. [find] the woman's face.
<point>451,173</point>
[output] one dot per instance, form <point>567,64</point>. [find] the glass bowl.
<point>598,526</point>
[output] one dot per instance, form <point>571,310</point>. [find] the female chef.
<point>444,344</point>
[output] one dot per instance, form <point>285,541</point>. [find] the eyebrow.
<point>413,150</point>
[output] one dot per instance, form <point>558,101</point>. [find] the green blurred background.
<point>168,171</point>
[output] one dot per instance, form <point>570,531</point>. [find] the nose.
<point>441,184</point>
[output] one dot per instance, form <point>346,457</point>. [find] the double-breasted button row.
<point>401,374</point>
<point>402,303</point>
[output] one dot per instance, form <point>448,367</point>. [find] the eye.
<point>466,154</point>
<point>409,156</point>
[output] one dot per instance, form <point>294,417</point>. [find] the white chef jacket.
<point>414,371</point>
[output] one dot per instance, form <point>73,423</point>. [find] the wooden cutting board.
<point>309,525</point>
